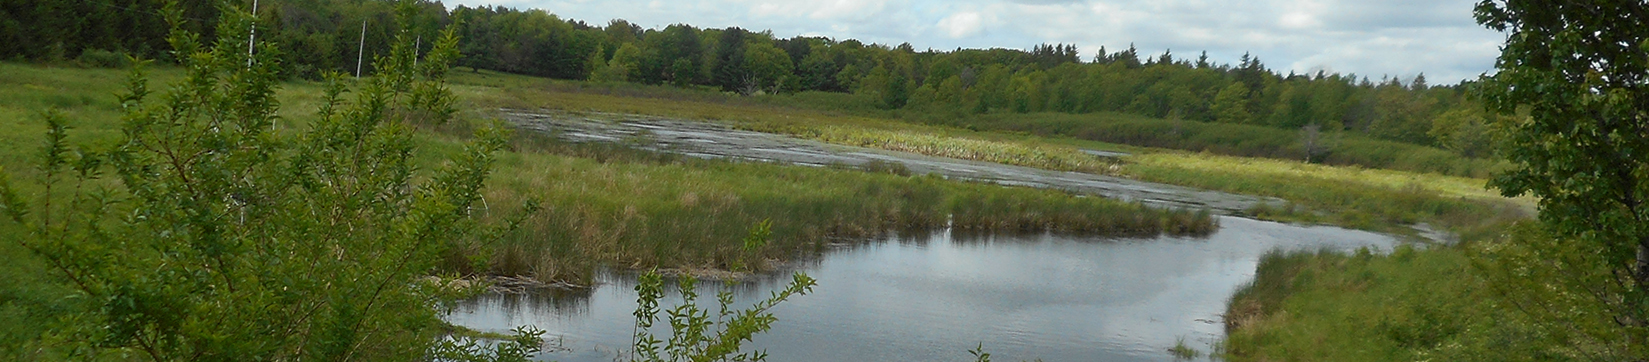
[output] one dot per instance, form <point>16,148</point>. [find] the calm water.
<point>933,298</point>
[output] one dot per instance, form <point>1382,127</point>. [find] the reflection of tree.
<point>538,302</point>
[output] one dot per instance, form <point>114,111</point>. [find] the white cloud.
<point>1390,37</point>
<point>963,24</point>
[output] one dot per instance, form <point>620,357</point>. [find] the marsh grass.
<point>1347,194</point>
<point>610,204</point>
<point>1349,149</point>
<point>1183,352</point>
<point>1371,199</point>
<point>1049,157</point>
<point>1409,305</point>
<point>636,208</point>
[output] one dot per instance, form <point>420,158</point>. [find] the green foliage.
<point>217,237</point>
<point>1232,139</point>
<point>1464,131</point>
<point>1182,352</point>
<point>1413,304</point>
<point>104,59</point>
<point>769,67</point>
<point>1351,197</point>
<point>979,354</point>
<point>1231,104</point>
<point>316,37</point>
<point>1574,73</point>
<point>1554,282</point>
<point>694,334</point>
<point>524,342</point>
<point>617,206</point>
<point>625,62</point>
<point>1052,158</point>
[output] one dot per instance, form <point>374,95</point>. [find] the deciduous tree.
<point>1579,71</point>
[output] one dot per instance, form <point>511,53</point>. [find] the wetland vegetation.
<point>191,201</point>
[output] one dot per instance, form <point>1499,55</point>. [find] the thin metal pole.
<point>250,39</point>
<point>361,51</point>
<point>415,45</point>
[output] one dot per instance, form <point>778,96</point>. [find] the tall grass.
<point>1012,153</point>
<point>1348,196</point>
<point>1411,305</point>
<point>1232,140</point>
<point>635,208</point>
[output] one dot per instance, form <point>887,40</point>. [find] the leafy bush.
<point>219,238</point>
<point>104,59</point>
<point>694,335</point>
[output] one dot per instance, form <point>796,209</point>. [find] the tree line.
<point>316,36</point>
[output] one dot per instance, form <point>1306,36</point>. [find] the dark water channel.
<point>932,298</point>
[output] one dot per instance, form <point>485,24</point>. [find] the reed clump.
<point>1013,211</point>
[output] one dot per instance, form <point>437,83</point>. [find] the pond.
<point>934,297</point>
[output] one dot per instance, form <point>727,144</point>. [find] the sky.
<point>1378,38</point>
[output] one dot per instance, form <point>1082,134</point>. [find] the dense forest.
<point>318,36</point>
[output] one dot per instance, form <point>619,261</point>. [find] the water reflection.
<point>935,296</point>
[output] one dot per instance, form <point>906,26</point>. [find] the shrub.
<point>99,58</point>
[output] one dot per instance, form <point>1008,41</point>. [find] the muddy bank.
<point>713,140</point>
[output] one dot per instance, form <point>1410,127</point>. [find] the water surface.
<point>933,297</point>
<point>714,140</point>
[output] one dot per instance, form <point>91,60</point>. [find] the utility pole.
<point>361,51</point>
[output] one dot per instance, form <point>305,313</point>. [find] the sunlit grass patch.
<point>1382,200</point>
<point>1012,153</point>
<point>1442,185</point>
